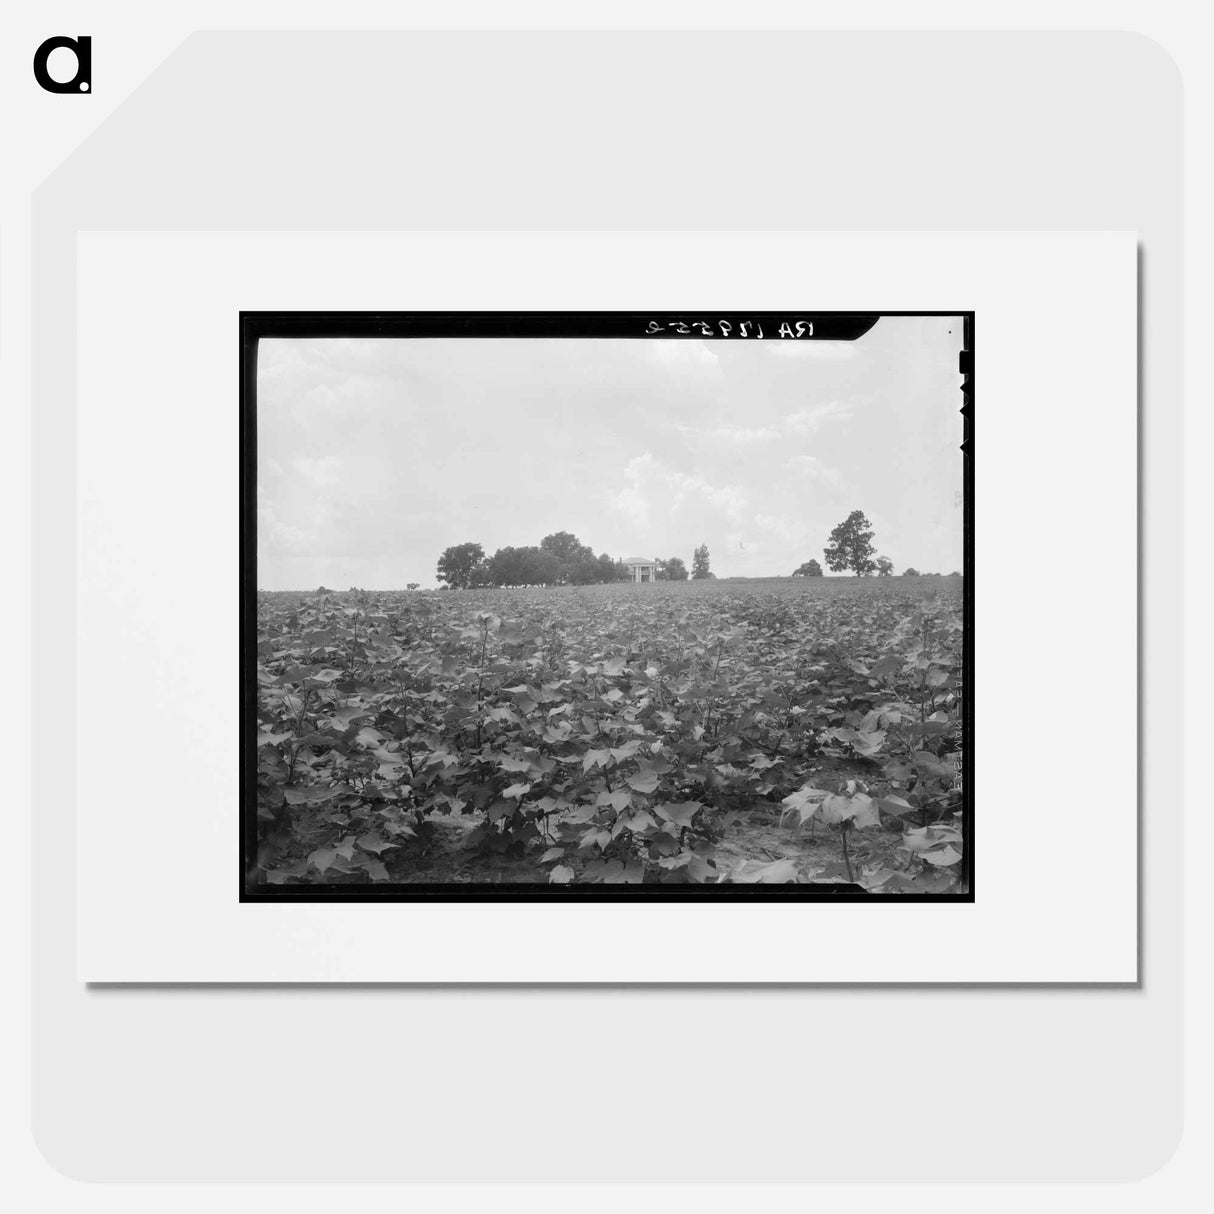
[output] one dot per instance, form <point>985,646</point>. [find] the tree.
<point>574,557</point>
<point>563,545</point>
<point>851,545</point>
<point>699,562</point>
<point>809,569</point>
<point>461,565</point>
<point>583,572</point>
<point>412,585</point>
<point>672,570</point>
<point>524,567</point>
<point>910,572</point>
<point>543,569</point>
<point>884,566</point>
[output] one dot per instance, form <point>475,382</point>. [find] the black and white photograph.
<point>560,605</point>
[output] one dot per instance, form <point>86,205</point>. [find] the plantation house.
<point>642,569</point>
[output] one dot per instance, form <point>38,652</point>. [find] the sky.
<point>375,454</point>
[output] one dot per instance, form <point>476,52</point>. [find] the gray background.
<point>565,131</point>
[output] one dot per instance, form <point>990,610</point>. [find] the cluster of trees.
<point>851,548</point>
<point>672,569</point>
<point>808,569</point>
<point>559,558</point>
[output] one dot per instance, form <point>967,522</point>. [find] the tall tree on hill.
<point>699,562</point>
<point>851,545</point>
<point>461,565</point>
<point>567,549</point>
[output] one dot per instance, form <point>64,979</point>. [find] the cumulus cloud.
<point>743,435</point>
<point>809,419</point>
<point>809,467</point>
<point>275,536</point>
<point>655,488</point>
<point>800,423</point>
<point>631,501</point>
<point>778,527</point>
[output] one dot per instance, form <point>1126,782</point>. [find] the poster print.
<point>607,605</point>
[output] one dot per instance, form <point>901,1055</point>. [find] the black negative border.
<point>254,325</point>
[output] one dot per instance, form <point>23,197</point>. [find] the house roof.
<point>640,560</point>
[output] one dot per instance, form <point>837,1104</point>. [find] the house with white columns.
<point>642,568</point>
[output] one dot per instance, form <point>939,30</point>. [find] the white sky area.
<point>376,454</point>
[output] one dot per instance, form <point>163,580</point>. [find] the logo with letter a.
<point>82,81</point>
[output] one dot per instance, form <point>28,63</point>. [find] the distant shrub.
<point>910,573</point>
